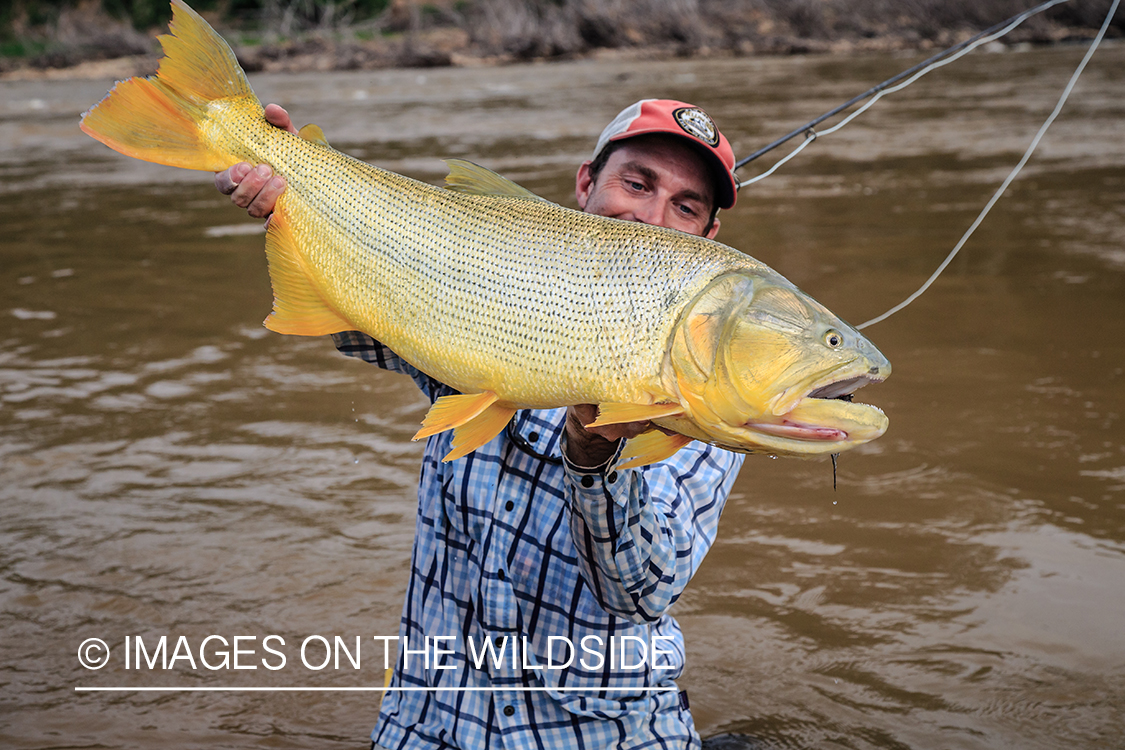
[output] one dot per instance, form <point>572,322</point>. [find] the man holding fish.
<point>541,532</point>
<point>534,540</point>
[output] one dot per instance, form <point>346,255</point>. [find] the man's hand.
<point>256,188</point>
<point>593,446</point>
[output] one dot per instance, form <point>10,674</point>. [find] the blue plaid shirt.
<point>513,543</point>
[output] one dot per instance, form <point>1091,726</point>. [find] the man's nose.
<point>649,212</point>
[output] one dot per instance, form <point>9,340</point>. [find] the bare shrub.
<point>83,32</point>
<point>377,33</point>
<point>554,28</point>
<point>1089,14</point>
<point>807,18</point>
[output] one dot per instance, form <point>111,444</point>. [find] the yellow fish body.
<point>513,301</point>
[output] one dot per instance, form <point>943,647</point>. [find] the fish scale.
<point>502,309</point>
<point>513,301</point>
<point>493,290</point>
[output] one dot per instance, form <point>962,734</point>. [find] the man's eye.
<point>687,210</point>
<point>635,185</point>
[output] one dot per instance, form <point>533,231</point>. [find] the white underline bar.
<point>368,689</point>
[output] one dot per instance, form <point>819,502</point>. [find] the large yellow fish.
<point>513,301</point>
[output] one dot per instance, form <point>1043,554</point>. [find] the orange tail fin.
<point>159,118</point>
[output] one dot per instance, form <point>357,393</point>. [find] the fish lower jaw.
<point>817,426</point>
<point>797,431</point>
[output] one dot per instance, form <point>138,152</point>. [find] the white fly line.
<point>811,135</point>
<point>1011,176</point>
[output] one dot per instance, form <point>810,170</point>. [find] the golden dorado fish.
<point>513,301</point>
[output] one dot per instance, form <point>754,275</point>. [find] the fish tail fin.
<point>159,118</point>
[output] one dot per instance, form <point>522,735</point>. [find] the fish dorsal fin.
<point>650,447</point>
<point>621,413</point>
<point>466,177</point>
<point>298,307</point>
<point>313,133</point>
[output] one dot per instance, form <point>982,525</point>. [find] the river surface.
<point>168,467</point>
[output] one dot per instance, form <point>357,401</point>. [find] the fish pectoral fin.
<point>298,308</point>
<point>314,134</point>
<point>650,447</point>
<point>478,431</point>
<point>466,177</point>
<point>453,411</point>
<point>621,413</point>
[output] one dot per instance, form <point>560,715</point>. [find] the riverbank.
<point>85,41</point>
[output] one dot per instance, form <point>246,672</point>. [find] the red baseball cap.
<point>683,120</point>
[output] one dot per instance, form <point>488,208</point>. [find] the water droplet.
<point>833,502</point>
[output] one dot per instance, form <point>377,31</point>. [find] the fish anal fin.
<point>449,412</point>
<point>650,447</point>
<point>314,134</point>
<point>611,413</point>
<point>298,308</point>
<point>466,177</point>
<point>478,431</point>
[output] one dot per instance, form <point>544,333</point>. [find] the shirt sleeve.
<point>362,346</point>
<point>642,533</point>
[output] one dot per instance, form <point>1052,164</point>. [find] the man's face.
<point>653,179</point>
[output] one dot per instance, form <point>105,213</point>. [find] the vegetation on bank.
<point>348,34</point>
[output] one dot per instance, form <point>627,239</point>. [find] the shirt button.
<point>612,477</point>
<point>533,437</point>
<point>509,505</point>
<point>587,481</point>
<point>500,574</point>
<point>509,710</point>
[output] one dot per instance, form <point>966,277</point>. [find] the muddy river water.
<point>168,467</point>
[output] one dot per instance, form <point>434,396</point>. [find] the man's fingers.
<point>626,431</point>
<point>279,118</point>
<point>251,185</point>
<point>587,413</point>
<point>227,180</point>
<point>256,188</point>
<point>263,204</point>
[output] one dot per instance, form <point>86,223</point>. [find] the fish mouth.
<point>811,421</point>
<point>844,389</point>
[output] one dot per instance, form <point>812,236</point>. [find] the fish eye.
<point>833,339</point>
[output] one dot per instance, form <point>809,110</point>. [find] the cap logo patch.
<point>697,124</point>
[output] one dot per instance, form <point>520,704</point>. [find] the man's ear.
<point>583,185</point>
<point>713,230</point>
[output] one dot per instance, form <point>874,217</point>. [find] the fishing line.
<point>926,65</point>
<point>1011,176</point>
<point>810,136</point>
<point>876,93</point>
